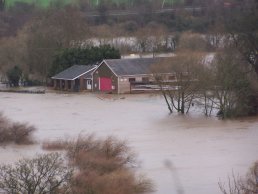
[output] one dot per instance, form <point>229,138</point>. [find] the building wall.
<point>82,83</point>
<point>70,85</point>
<point>124,85</point>
<point>104,71</point>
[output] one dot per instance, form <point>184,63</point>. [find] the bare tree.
<point>43,174</point>
<point>180,86</point>
<point>241,24</point>
<point>238,185</point>
<point>13,52</point>
<point>152,38</point>
<point>48,33</point>
<point>192,42</point>
<point>232,84</point>
<point>205,97</point>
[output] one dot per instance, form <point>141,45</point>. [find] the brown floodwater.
<point>188,153</point>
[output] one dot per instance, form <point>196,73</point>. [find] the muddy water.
<point>188,153</point>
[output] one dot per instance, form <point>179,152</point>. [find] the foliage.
<point>32,82</point>
<point>2,5</point>
<point>46,3</point>
<point>19,133</point>
<point>35,38</point>
<point>241,24</point>
<point>225,83</point>
<point>82,56</point>
<point>232,81</point>
<point>14,75</point>
<point>43,174</point>
<point>104,166</point>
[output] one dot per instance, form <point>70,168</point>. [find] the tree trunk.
<point>166,99</point>
<point>183,103</point>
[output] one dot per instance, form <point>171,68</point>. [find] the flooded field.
<point>189,153</point>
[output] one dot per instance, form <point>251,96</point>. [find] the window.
<point>171,77</point>
<point>145,79</point>
<point>131,79</point>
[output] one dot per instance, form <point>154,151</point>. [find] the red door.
<point>105,84</point>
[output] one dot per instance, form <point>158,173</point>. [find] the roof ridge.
<point>73,72</point>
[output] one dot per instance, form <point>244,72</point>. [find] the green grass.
<point>40,3</point>
<point>47,3</point>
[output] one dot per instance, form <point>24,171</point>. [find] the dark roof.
<point>74,72</point>
<point>137,66</point>
<point>89,75</point>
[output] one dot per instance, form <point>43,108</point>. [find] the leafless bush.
<point>19,133</point>
<point>104,166</point>
<point>117,182</point>
<point>43,174</point>
<point>102,155</point>
<point>55,145</point>
<point>193,42</point>
<point>238,185</point>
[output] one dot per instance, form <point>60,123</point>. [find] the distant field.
<point>46,3</point>
<point>40,3</point>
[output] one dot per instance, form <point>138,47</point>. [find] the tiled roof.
<point>137,66</point>
<point>74,72</point>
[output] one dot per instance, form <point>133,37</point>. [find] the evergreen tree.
<point>2,5</point>
<point>82,56</point>
<point>14,75</point>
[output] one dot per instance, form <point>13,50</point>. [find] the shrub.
<point>55,145</point>
<point>101,155</point>
<point>104,166</point>
<point>19,133</point>
<point>43,174</point>
<point>117,182</point>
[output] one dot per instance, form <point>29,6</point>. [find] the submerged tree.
<point>180,85</point>
<point>226,84</point>
<point>233,85</point>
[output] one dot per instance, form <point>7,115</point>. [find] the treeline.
<point>27,31</point>
<point>196,15</point>
<point>32,38</point>
<point>115,4</point>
